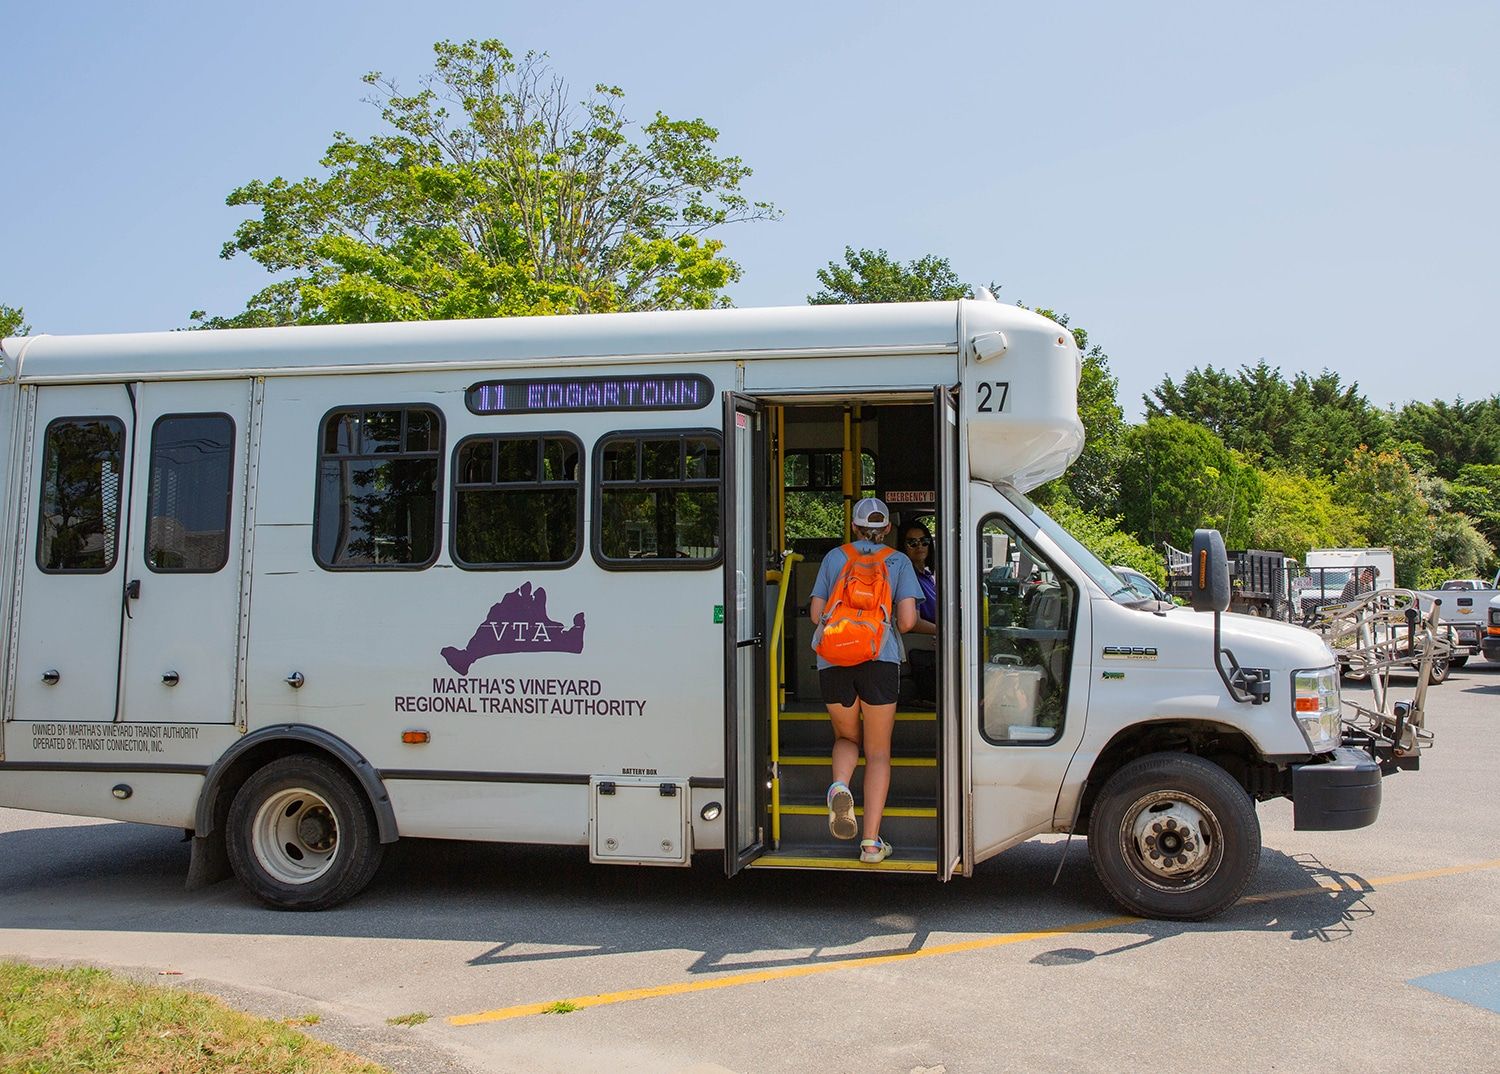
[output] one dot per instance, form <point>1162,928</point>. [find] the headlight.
<point>1315,703</point>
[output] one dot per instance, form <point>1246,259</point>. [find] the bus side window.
<point>657,500</point>
<point>517,501</point>
<point>379,471</point>
<point>1025,635</point>
<point>80,503</point>
<point>190,492</point>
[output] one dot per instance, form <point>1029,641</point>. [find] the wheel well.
<point>1226,747</point>
<point>251,754</point>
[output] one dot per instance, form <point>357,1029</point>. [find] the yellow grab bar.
<point>783,579</point>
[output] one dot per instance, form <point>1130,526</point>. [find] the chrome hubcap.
<point>295,836</point>
<point>1171,841</point>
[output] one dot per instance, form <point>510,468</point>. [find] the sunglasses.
<point>918,542</point>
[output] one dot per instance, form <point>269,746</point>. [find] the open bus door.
<point>950,707</point>
<point>744,630</point>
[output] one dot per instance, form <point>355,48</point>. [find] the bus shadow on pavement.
<point>1293,894</point>
<point>529,905</point>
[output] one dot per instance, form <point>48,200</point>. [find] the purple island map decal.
<point>518,624</point>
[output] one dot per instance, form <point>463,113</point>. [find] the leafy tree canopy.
<point>1103,536</point>
<point>1296,512</point>
<point>1453,435</point>
<point>1310,424</point>
<point>1475,492</point>
<point>1092,482</point>
<point>1384,489</point>
<point>1460,547</point>
<point>492,192</point>
<point>13,322</point>
<point>873,276</point>
<point>1177,476</point>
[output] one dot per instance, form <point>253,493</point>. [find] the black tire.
<point>1438,673</point>
<point>302,836</point>
<point>1176,787</point>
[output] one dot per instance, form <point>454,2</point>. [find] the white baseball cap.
<point>871,513</point>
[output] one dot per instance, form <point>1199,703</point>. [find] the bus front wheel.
<point>301,835</point>
<point>1173,836</point>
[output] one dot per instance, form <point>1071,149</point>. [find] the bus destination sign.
<point>571,395</point>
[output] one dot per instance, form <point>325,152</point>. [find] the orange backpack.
<point>858,610</point>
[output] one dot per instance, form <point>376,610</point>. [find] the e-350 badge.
<point>1129,652</point>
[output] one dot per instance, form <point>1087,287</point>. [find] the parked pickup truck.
<point>1464,606</point>
<point>1491,641</point>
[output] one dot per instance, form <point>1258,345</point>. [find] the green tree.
<point>1178,476</point>
<point>494,193</point>
<point>1460,548</point>
<point>1093,481</point>
<point>1337,420</point>
<point>1384,489</point>
<point>873,276</point>
<point>1103,536</point>
<point>1296,512</point>
<point>1476,492</point>
<point>1311,424</point>
<point>13,322</point>
<point>1454,435</point>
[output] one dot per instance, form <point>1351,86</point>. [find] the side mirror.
<point>1209,589</point>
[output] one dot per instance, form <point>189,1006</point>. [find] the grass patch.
<point>303,1020</point>
<point>84,1019</point>
<point>562,1006</point>
<point>415,1018</point>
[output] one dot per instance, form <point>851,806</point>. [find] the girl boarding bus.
<point>306,591</point>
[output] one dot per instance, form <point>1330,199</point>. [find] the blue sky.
<point>1312,184</point>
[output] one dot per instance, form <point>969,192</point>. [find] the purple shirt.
<point>927,606</point>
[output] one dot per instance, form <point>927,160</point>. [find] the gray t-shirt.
<point>904,584</point>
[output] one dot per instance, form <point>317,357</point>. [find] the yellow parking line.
<point>985,943</point>
<point>1384,881</point>
<point>759,976</point>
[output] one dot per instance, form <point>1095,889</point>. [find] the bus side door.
<point>72,571</point>
<point>187,510</point>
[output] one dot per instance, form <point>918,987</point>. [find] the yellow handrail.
<point>783,579</point>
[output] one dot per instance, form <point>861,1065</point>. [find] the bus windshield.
<point>1089,563</point>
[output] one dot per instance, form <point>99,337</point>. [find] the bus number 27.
<point>992,396</point>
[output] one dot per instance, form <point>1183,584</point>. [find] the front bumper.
<point>1491,647</point>
<point>1336,795</point>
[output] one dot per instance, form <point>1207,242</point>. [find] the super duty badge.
<point>1130,652</point>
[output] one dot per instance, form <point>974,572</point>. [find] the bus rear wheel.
<point>1173,836</point>
<point>301,835</point>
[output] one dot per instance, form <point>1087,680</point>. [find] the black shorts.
<point>875,682</point>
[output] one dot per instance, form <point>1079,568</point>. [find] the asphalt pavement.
<point>1377,949</point>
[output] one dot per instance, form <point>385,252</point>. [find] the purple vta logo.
<point>518,624</point>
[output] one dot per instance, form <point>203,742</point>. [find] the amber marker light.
<point>416,738</point>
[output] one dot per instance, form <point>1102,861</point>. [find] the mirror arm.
<point>1245,685</point>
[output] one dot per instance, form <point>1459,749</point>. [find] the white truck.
<point>1333,574</point>
<point>1462,606</point>
<point>306,591</point>
<point>1490,643</point>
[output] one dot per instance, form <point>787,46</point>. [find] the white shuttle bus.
<point>305,591</point>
